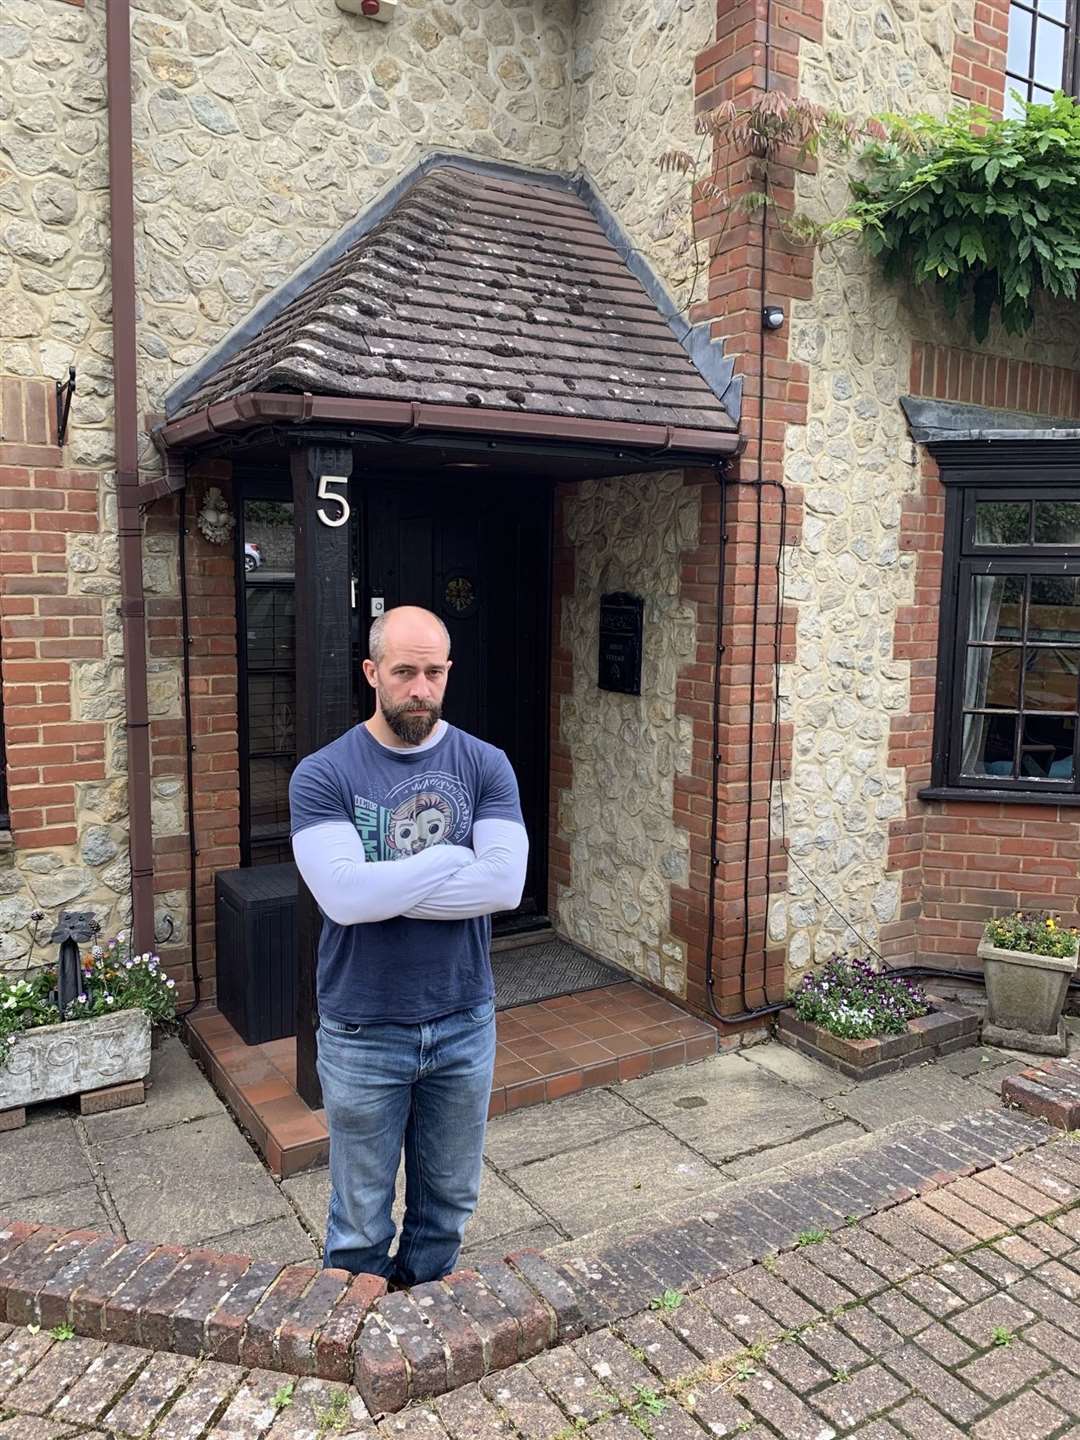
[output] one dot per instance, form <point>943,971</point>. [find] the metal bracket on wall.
<point>64,391</point>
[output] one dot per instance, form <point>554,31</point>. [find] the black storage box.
<point>256,950</point>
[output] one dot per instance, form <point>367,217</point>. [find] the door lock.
<point>378,606</point>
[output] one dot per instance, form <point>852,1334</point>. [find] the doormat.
<point>540,972</point>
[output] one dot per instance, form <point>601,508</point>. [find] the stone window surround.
<point>1041,466</point>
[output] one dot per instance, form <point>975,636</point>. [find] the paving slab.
<point>616,1179</point>
<point>284,1239</point>
<point>176,1092</point>
<point>797,1069</point>
<point>554,1129</point>
<point>192,1181</point>
<point>80,1207</point>
<point>43,1157</point>
<point>925,1091</point>
<point>726,1107</point>
<point>780,1155</point>
<point>539,1237</point>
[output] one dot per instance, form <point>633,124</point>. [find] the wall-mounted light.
<point>772,316</point>
<point>370,9</point>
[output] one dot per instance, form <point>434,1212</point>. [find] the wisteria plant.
<point>112,979</point>
<point>851,999</point>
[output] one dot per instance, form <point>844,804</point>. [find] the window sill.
<point>1061,798</point>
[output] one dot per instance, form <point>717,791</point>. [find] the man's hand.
<point>491,883</point>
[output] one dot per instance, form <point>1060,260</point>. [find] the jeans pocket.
<point>338,1027</point>
<point>481,1014</point>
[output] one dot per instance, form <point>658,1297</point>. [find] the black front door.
<point>478,555</point>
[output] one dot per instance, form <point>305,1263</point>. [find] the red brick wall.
<point>215,761</point>
<point>961,861</point>
<point>978,64</point>
<point>44,624</point>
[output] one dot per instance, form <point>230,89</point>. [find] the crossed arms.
<point>445,882</point>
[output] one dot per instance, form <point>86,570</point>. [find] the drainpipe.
<point>128,513</point>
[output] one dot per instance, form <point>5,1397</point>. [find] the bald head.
<point>407,665</point>
<point>408,626</point>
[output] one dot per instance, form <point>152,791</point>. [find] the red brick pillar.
<point>753,266</point>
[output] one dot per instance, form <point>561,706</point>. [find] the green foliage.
<point>811,1237</point>
<point>283,1396</point>
<point>63,1331</point>
<point>851,999</point>
<point>1001,1335</point>
<point>987,210</point>
<point>112,979</point>
<point>669,1300</point>
<point>1033,934</point>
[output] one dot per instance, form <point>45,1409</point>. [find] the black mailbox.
<point>620,643</point>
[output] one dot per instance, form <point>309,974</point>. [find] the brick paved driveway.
<point>955,1314</point>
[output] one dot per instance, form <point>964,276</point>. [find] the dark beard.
<point>413,729</point>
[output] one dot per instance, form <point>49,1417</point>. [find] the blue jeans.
<point>425,1087</point>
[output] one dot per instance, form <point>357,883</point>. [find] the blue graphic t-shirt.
<point>401,802</point>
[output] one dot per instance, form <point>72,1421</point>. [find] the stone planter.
<point>75,1057</point>
<point>947,1028</point>
<point>1025,997</point>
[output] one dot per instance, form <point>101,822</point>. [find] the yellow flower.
<point>1050,923</point>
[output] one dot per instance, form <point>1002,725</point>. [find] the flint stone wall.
<point>257,135</point>
<point>628,534</point>
<point>855,463</point>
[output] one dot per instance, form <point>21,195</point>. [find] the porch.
<point>540,361</point>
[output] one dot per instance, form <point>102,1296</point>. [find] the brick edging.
<point>304,1320</point>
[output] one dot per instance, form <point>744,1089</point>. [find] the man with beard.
<point>408,832</point>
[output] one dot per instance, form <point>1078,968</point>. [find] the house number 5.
<point>326,493</point>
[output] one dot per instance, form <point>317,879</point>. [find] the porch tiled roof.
<point>486,291</point>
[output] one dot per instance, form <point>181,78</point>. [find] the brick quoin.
<point>215,759</point>
<point>739,67</point>
<point>960,862</point>
<point>45,625</point>
<point>978,63</point>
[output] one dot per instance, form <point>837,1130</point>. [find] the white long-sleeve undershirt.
<point>444,882</point>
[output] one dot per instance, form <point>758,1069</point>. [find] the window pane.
<point>1019,57</point>
<point>1054,8</point>
<point>1001,522</point>
<point>271,625</point>
<point>1051,678</point>
<point>1046,750</point>
<point>1055,609</point>
<point>268,540</point>
<point>1057,522</point>
<point>271,712</point>
<point>997,607</point>
<point>989,742</point>
<point>1049,54</point>
<point>269,797</point>
<point>993,678</point>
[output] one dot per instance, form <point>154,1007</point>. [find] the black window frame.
<point>998,470</point>
<point>1027,84</point>
<point>279,490</point>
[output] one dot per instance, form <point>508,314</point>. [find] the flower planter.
<point>1025,996</point>
<point>52,1061</point>
<point>947,1028</point>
